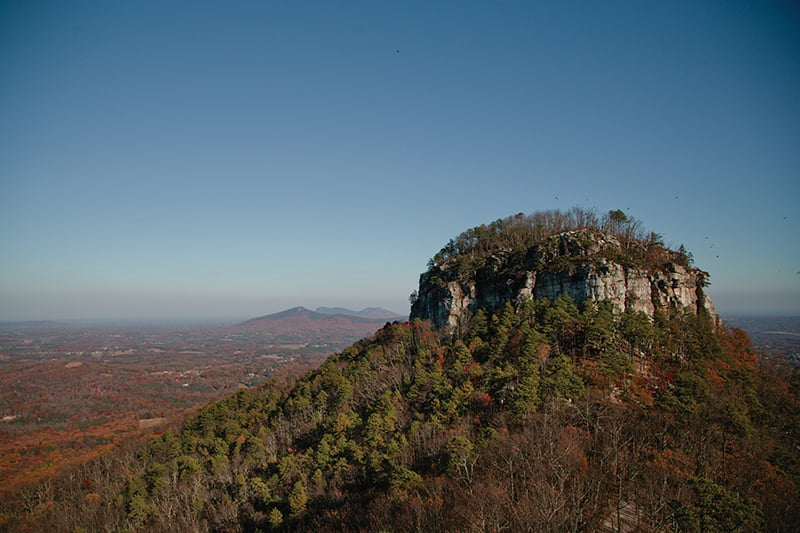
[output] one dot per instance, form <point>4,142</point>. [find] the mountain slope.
<point>533,415</point>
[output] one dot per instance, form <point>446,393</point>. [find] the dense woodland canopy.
<point>520,232</point>
<point>541,416</point>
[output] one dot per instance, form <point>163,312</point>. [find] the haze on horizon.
<point>199,159</point>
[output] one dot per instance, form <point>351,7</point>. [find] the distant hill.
<point>368,312</point>
<point>303,321</point>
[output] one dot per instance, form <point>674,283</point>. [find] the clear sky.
<point>213,159</point>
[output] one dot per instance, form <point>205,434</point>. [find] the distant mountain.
<point>302,321</point>
<point>368,312</point>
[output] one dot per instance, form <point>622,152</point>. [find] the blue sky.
<point>232,159</point>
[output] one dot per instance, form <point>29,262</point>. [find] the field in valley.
<point>70,392</point>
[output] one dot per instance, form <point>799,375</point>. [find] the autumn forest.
<point>535,415</point>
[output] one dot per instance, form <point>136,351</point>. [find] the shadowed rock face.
<point>584,264</point>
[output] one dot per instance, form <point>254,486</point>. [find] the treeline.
<point>539,417</point>
<point>518,233</point>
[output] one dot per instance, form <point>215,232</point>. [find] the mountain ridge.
<point>301,322</point>
<point>378,313</point>
<point>300,312</point>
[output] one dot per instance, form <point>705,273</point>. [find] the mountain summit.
<point>553,254</point>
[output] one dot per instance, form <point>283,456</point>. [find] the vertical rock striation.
<point>585,264</point>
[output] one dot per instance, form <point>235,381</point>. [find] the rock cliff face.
<point>585,264</point>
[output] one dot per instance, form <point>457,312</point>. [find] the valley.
<point>71,391</point>
<point>778,337</point>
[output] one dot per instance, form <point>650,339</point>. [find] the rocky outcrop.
<point>585,264</point>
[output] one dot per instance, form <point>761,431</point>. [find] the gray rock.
<point>585,264</point>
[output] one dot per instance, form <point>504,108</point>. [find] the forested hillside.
<point>537,416</point>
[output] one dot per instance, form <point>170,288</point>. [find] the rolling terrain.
<point>777,336</point>
<point>71,391</point>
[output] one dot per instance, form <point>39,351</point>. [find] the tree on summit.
<point>617,216</point>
